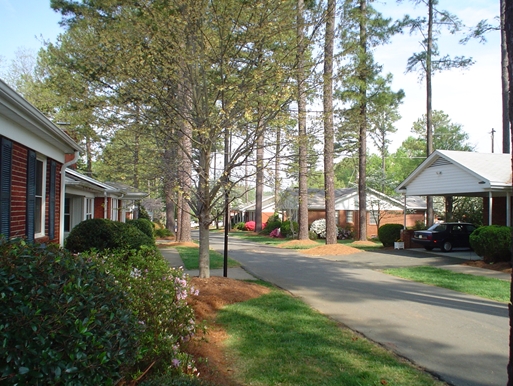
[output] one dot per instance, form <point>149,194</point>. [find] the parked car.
<point>445,236</point>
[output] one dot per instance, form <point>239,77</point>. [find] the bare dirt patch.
<point>331,250</point>
<point>215,293</point>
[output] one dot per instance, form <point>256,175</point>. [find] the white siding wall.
<point>443,179</point>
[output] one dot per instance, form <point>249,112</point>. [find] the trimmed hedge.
<point>101,234</point>
<point>144,225</point>
<point>492,243</point>
<point>64,320</point>
<point>389,233</point>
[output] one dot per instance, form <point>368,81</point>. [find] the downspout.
<point>63,193</point>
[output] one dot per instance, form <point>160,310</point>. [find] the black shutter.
<point>5,186</point>
<point>51,206</point>
<point>31,195</point>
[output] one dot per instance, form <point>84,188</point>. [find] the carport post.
<point>490,208</point>
<point>508,209</point>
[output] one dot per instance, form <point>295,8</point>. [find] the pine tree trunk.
<point>508,29</point>
<point>303,146</point>
<point>429,109</point>
<point>362,140</point>
<point>505,87</point>
<point>329,175</point>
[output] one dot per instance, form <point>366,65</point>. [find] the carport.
<point>458,173</point>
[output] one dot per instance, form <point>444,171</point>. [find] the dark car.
<point>445,236</point>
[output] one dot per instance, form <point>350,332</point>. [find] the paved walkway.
<point>463,339</point>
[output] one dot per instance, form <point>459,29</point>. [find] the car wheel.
<point>428,248</point>
<point>447,246</point>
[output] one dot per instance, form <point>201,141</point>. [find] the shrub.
<point>312,235</point>
<point>319,228</point>
<point>159,299</point>
<point>63,320</point>
<point>250,226</point>
<point>163,232</point>
<point>240,226</point>
<point>144,225</point>
<point>103,234</point>
<point>272,223</point>
<point>389,233</point>
<point>345,233</point>
<point>492,243</point>
<point>143,213</point>
<point>286,228</point>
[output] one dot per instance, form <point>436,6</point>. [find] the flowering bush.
<point>159,300</point>
<point>276,233</point>
<point>250,226</point>
<point>319,228</point>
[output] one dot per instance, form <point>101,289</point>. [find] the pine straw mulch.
<point>177,244</point>
<point>323,250</point>
<point>504,266</point>
<point>208,349</point>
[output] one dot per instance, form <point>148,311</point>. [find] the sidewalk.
<point>172,256</point>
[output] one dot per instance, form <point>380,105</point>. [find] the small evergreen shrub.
<point>64,320</point>
<point>345,233</point>
<point>250,226</point>
<point>159,299</point>
<point>163,233</point>
<point>272,223</point>
<point>144,225</point>
<point>312,235</point>
<point>492,243</point>
<point>389,233</point>
<point>143,213</point>
<point>239,226</point>
<point>286,228</point>
<point>101,234</point>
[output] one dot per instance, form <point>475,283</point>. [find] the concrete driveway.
<point>462,339</point>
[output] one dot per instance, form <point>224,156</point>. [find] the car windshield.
<point>438,227</point>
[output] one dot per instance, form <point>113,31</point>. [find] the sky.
<point>471,98</point>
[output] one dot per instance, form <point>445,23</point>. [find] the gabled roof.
<point>316,198</point>
<point>460,173</point>
<point>267,202</point>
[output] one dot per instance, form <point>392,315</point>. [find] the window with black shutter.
<point>51,203</point>
<point>5,186</point>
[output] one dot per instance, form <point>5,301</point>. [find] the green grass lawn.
<point>277,339</point>
<point>190,258</point>
<point>485,287</point>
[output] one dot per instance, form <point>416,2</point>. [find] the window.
<point>67,214</point>
<point>373,217</point>
<point>36,186</point>
<point>89,205</point>
<point>6,149</point>
<point>114,215</point>
<point>349,216</point>
<point>40,202</point>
